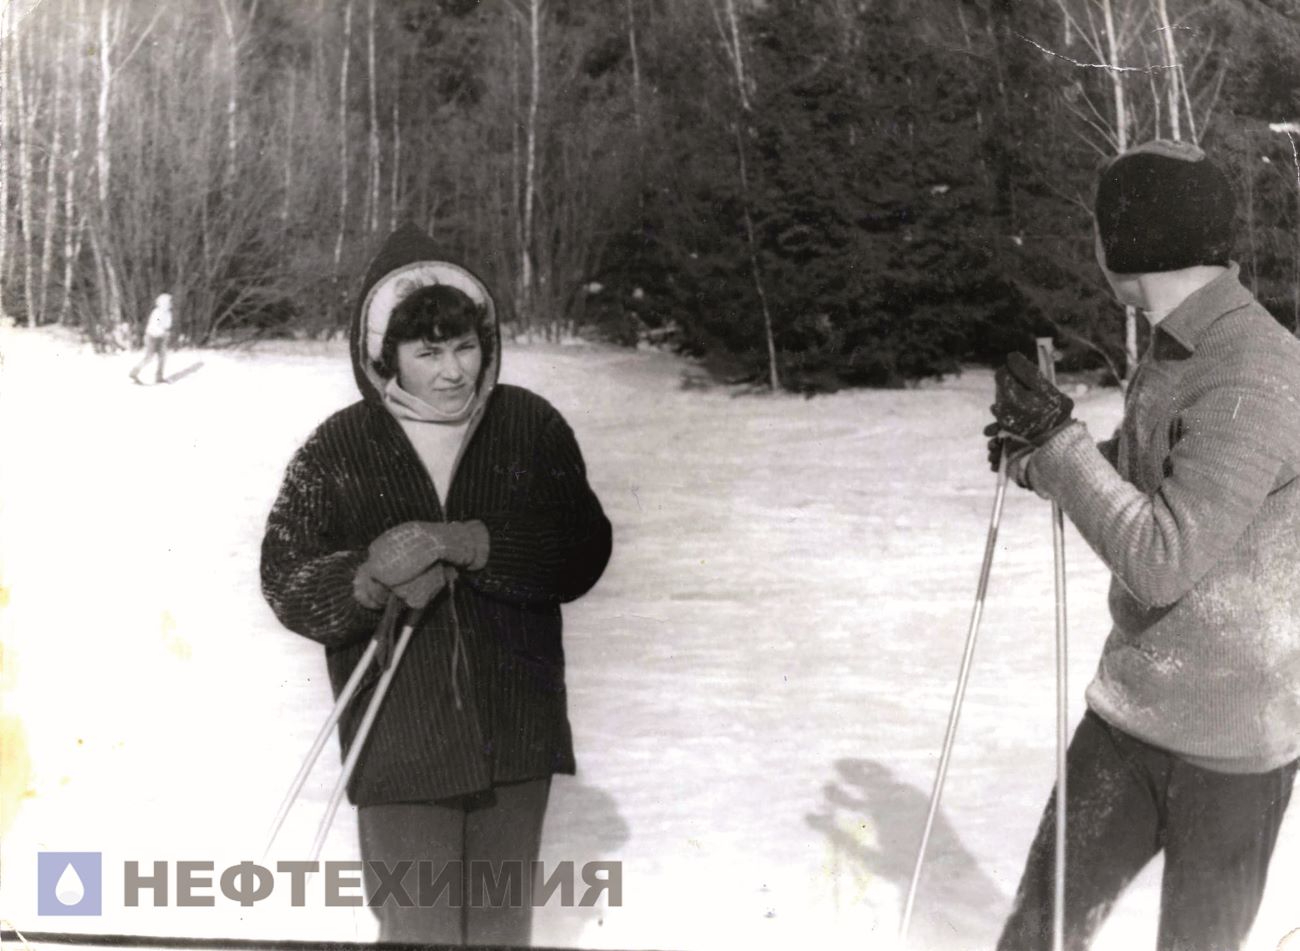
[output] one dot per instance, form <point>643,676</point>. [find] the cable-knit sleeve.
<point>1217,476</point>
<point>306,579</point>
<point>555,547</point>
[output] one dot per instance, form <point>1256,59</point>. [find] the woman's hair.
<point>434,313</point>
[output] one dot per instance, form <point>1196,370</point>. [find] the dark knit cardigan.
<point>520,472</point>
<point>523,476</point>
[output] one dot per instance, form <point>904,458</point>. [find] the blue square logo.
<point>69,883</point>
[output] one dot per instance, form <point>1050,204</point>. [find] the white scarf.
<point>406,405</point>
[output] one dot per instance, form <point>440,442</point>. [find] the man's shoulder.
<point>1249,358</point>
<point>1249,340</point>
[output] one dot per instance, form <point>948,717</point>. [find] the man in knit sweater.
<point>1192,732</point>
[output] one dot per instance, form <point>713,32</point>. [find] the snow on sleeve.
<point>1219,474</point>
<point>308,583</point>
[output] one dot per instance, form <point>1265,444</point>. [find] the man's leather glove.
<point>1027,405</point>
<point>1001,441</point>
<point>405,551</point>
<point>1018,452</point>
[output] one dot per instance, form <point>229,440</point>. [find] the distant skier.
<point>467,498</point>
<point>155,338</point>
<point>1192,732</point>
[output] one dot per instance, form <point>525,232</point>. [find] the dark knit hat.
<point>1164,206</point>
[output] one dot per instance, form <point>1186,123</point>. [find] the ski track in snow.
<point>758,686</point>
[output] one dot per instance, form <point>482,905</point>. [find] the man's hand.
<point>1018,452</point>
<point>1027,406</point>
<point>1001,441</point>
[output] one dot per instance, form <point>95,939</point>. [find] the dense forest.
<point>808,193</point>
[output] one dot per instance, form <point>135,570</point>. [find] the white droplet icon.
<point>69,889</point>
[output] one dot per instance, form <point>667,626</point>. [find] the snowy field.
<point>758,685</point>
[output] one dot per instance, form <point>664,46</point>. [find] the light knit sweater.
<point>1194,506</point>
<point>438,446</point>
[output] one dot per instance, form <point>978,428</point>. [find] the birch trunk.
<point>111,300</point>
<point>53,162</point>
<point>71,233</point>
<point>1174,78</point>
<point>4,151</point>
<point>23,115</point>
<point>103,162</point>
<point>516,174</point>
<point>742,124</point>
<point>372,198</point>
<point>288,149</point>
<point>343,137</point>
<point>232,97</point>
<point>526,275</point>
<point>1121,146</point>
<point>393,194</point>
<point>636,67</point>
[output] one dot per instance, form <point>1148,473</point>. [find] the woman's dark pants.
<point>466,855</point>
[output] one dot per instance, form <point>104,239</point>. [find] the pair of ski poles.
<point>387,624</point>
<point>1047,365</point>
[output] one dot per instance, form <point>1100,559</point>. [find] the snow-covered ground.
<point>759,684</point>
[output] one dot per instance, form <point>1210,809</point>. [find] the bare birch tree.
<point>372,194</point>
<point>525,285</point>
<point>53,162</point>
<point>5,34</point>
<point>73,215</point>
<point>733,43</point>
<point>288,149</point>
<point>24,113</point>
<point>1108,44</point>
<point>636,66</point>
<point>343,138</point>
<point>1121,146</point>
<point>237,30</point>
<point>110,32</point>
<point>1119,34</point>
<point>395,176</point>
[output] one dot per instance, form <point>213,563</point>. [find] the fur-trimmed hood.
<point>408,260</point>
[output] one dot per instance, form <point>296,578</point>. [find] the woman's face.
<point>442,373</point>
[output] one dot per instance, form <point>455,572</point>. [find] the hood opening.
<point>409,260</point>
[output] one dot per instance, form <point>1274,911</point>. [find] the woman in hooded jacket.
<point>465,502</point>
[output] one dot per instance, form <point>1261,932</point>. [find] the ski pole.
<point>363,731</point>
<point>1047,364</point>
<point>391,612</point>
<point>962,678</point>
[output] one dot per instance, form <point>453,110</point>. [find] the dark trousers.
<point>1127,801</point>
<point>469,838</point>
